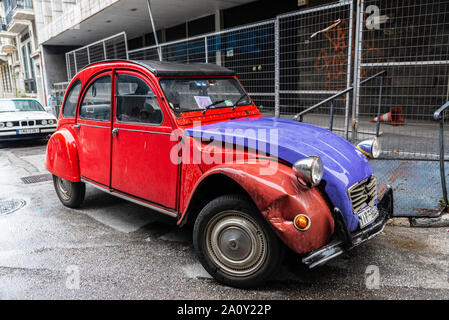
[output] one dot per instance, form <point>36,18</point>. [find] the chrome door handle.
<point>115,132</point>
<point>77,126</point>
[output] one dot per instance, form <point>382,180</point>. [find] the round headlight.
<point>9,124</point>
<point>376,148</point>
<point>310,170</point>
<point>44,122</point>
<point>51,121</point>
<point>2,125</point>
<point>370,147</point>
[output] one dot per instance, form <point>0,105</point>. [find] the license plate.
<point>368,215</point>
<point>27,131</point>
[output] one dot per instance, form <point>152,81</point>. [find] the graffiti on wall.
<point>333,60</point>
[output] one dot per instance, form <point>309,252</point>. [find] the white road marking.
<point>120,220</point>
<point>195,271</point>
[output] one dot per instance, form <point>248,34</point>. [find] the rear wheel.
<point>234,242</point>
<point>70,193</point>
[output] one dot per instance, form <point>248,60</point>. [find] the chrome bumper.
<point>343,240</point>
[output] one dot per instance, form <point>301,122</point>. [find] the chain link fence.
<point>409,40</point>
<point>248,50</point>
<point>315,47</point>
<point>115,47</point>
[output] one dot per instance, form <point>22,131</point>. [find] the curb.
<point>442,221</point>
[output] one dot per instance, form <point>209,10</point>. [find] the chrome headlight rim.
<point>9,124</point>
<point>370,148</point>
<point>50,121</point>
<point>44,122</point>
<point>309,170</point>
<point>2,125</point>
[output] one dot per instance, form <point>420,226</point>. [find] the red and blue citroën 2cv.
<point>187,141</point>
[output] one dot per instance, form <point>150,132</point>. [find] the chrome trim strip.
<point>94,126</point>
<point>142,203</point>
<point>135,130</point>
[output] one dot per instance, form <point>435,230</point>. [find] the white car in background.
<point>22,118</point>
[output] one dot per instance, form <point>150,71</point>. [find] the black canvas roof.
<point>172,69</point>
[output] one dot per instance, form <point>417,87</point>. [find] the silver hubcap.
<point>236,244</point>
<point>64,188</point>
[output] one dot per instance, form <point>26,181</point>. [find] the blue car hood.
<point>344,164</point>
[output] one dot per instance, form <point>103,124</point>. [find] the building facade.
<point>20,60</point>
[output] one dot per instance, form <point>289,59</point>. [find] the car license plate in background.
<point>27,131</point>
<point>368,215</point>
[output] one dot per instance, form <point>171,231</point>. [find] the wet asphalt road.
<point>113,249</point>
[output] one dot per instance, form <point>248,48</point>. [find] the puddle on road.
<point>402,242</point>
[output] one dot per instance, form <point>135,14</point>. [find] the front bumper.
<point>343,240</point>
<point>12,135</point>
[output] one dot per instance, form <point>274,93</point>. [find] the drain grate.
<point>9,206</point>
<point>37,178</point>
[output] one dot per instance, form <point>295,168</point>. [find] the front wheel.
<point>234,242</point>
<point>70,193</point>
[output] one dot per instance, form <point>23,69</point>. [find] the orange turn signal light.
<point>301,222</point>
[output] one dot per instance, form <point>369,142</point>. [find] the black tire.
<point>235,244</point>
<point>70,193</point>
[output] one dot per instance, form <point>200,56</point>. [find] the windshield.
<point>185,95</point>
<point>20,105</point>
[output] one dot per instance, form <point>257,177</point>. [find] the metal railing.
<point>299,116</point>
<point>3,26</point>
<point>439,116</point>
<point>16,4</point>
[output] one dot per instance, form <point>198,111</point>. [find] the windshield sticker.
<point>202,101</point>
<point>229,103</point>
<point>201,83</point>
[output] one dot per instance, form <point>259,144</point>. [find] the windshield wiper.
<point>212,104</point>
<point>238,100</point>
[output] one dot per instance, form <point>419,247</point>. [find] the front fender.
<point>62,156</point>
<point>280,197</point>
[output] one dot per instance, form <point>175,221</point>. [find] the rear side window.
<point>96,103</point>
<point>69,108</point>
<point>136,102</point>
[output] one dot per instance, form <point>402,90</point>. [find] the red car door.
<point>141,144</point>
<point>94,130</point>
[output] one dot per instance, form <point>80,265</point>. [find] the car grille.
<point>363,193</point>
<point>27,123</point>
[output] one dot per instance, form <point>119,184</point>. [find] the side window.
<point>136,102</point>
<point>69,108</point>
<point>96,103</point>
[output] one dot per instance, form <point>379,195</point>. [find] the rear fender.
<point>280,198</point>
<point>62,156</point>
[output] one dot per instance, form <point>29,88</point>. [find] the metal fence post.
<point>206,53</point>
<point>378,107</point>
<point>442,171</point>
<point>357,58</point>
<point>348,79</point>
<point>331,116</point>
<point>277,110</point>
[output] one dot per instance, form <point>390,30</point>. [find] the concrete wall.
<point>55,65</point>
